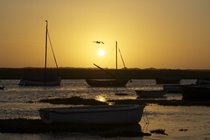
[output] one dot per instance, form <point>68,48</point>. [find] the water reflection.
<point>100,98</point>
<point>16,102</point>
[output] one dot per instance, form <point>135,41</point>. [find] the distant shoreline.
<point>85,73</point>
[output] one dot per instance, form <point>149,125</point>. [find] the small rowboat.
<point>98,114</point>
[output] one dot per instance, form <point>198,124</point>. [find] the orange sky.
<point>150,33</point>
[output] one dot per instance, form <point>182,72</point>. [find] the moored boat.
<point>1,87</point>
<point>196,92</point>
<point>203,82</point>
<point>45,79</point>
<point>150,93</point>
<point>42,81</point>
<point>168,80</point>
<point>172,88</point>
<point>107,82</point>
<point>98,114</point>
<point>114,81</point>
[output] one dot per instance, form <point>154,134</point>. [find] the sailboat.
<point>113,82</point>
<point>47,78</point>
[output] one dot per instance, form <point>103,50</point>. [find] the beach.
<point>178,121</point>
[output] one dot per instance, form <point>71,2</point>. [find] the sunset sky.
<point>171,34</point>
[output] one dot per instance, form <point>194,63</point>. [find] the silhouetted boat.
<point>40,81</point>
<point>46,79</point>
<point>150,93</point>
<point>107,82</point>
<point>203,81</point>
<point>115,81</point>
<point>1,87</point>
<point>172,88</point>
<point>168,80</point>
<point>196,92</point>
<point>97,114</point>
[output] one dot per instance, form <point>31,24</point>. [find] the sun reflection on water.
<point>101,98</point>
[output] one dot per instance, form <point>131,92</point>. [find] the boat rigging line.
<point>52,49</point>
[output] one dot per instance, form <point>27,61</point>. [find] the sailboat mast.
<point>116,55</point>
<point>46,44</point>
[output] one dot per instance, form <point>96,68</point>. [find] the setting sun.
<point>101,52</point>
<point>159,33</point>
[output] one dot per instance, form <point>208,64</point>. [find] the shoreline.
<point>23,126</point>
<point>91,73</point>
<point>37,126</point>
<point>80,101</point>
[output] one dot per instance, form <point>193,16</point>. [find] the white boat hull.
<point>99,114</point>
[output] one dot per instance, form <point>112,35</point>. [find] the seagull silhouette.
<point>99,42</point>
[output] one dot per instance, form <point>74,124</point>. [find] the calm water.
<point>22,102</point>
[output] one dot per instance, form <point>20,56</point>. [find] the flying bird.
<point>99,42</point>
